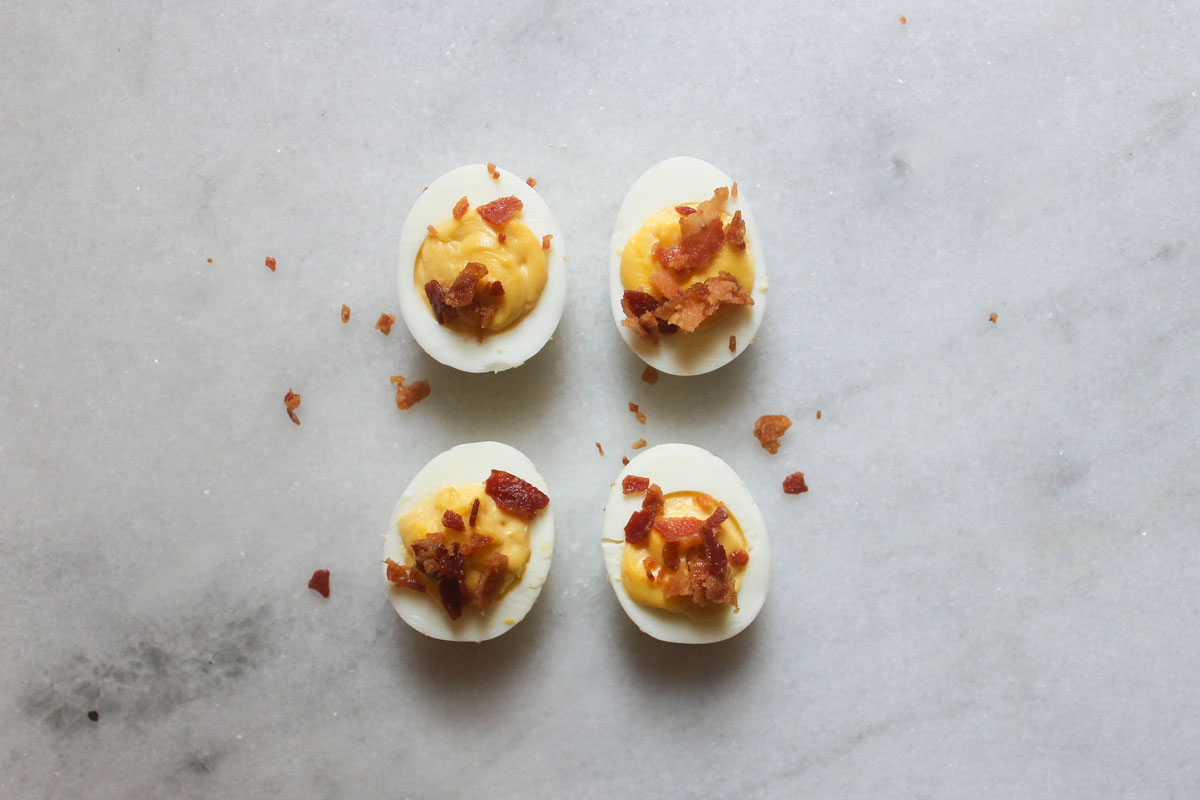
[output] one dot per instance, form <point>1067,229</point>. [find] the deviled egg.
<point>482,273</point>
<point>685,546</point>
<point>687,279</point>
<point>469,543</point>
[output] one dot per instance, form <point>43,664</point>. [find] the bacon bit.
<point>496,289</point>
<point>705,502</point>
<point>769,428</point>
<point>426,189</point>
<point>384,323</point>
<point>319,582</point>
<point>437,560</point>
<point>639,444</point>
<point>491,580</point>
<point>624,460</point>
<point>462,292</point>
<point>684,211</point>
<point>904,20</point>
<point>500,237</point>
<point>476,541</point>
<point>637,412</point>
<point>531,182</point>
<point>474,512</point>
<point>345,313</point>
<point>403,576</point>
<point>650,375</point>
<point>291,401</point>
<point>649,564</point>
<point>637,529</point>
<point>409,396</point>
<point>270,263</point>
<point>700,301</point>
<point>639,314</point>
<point>679,529</point>
<point>992,318</point>
<point>739,558</point>
<point>818,413</point>
<point>676,585</point>
<point>436,293</point>
<point>433,232</point>
<point>653,501</point>
<point>794,484</point>
<point>632,484</point>
<point>451,593</point>
<point>514,495</point>
<point>460,208</point>
<point>735,231</point>
<point>546,241</point>
<point>601,449</point>
<point>500,210</point>
<point>210,261</point>
<point>670,555</point>
<point>453,520</point>
<point>733,192</point>
<point>709,583</point>
<point>701,236</point>
<point>662,282</point>
<point>732,343</point>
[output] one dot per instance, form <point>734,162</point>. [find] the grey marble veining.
<point>991,589</point>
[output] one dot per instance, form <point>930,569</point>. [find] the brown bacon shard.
<point>677,584</point>
<point>500,210</point>
<point>625,460</point>
<point>291,401</point>
<point>637,529</point>
<point>639,444</point>
<point>769,428</point>
<point>600,448</point>
<point>664,284</point>
<point>462,292</point>
<point>732,343</point>
<point>403,576</point>
<point>408,396</point>
<point>514,495</point>
<point>632,484</point>
<point>739,558</point>
<point>670,555</point>
<point>713,549</point>
<point>496,289</point>
<point>701,236</point>
<point>270,263</point>
<point>474,512</point>
<point>653,501</point>
<point>476,541</point>
<point>495,173</point>
<point>345,313</point>
<point>319,582</point>
<point>684,211</point>
<point>700,301</point>
<point>683,530</point>
<point>546,241</point>
<point>451,592</point>
<point>491,580</point>
<point>432,231</point>
<point>735,231</point>
<point>453,520</point>
<point>709,586</point>
<point>460,208</point>
<point>637,412</point>
<point>384,323</point>
<point>650,375</point>
<point>500,237</point>
<point>794,484</point>
<point>437,300</point>
<point>437,560</point>
<point>531,182</point>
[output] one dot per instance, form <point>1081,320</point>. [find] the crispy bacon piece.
<point>462,292</point>
<point>453,520</point>
<point>735,231</point>
<point>701,236</point>
<point>705,502</point>
<point>653,501</point>
<point>649,564</point>
<point>637,529</point>
<point>291,401</point>
<point>451,592</point>
<point>684,211</point>
<point>637,412</point>
<point>437,300</point>
<point>495,173</point>
<point>677,584</point>
<point>794,484</point>
<point>639,444</point>
<point>700,301</point>
<point>403,576</point>
<point>476,541</point>
<point>491,580</point>
<point>739,558</point>
<point>624,460</point>
<point>500,210</point>
<point>345,313</point>
<point>500,237</point>
<point>514,495</point>
<point>531,182</point>
<point>732,343</point>
<point>769,428</point>
<point>632,484</point>
<point>460,208</point>
<point>270,263</point>
<point>650,375</point>
<point>432,231</point>
<point>670,555</point>
<point>496,289</point>
<point>639,310</point>
<point>706,586</point>
<point>437,560</point>
<point>818,413</point>
<point>601,449</point>
<point>684,530</point>
<point>474,512</point>
<point>713,549</point>
<point>992,318</point>
<point>384,323</point>
<point>546,241</point>
<point>664,284</point>
<point>408,396</point>
<point>319,582</point>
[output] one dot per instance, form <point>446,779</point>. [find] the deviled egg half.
<point>685,546</point>
<point>482,273</point>
<point>469,543</point>
<point>687,279</point>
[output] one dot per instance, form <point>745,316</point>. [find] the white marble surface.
<point>991,590</point>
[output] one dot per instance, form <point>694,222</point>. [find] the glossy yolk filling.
<point>634,567</point>
<point>510,534</point>
<point>519,263</point>
<point>638,262</point>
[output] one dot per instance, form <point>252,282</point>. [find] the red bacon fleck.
<point>684,211</point>
<point>732,343</point>
<point>460,208</point>
<point>670,555</point>
<point>291,401</point>
<point>739,558</point>
<point>451,592</point>
<point>546,241</point>
<point>515,495</point>
<point>650,375</point>
<point>500,211</point>
<point>496,289</point>
<point>319,582</point>
<point>600,448</point>
<point>632,484</point>
<point>270,263</point>
<point>403,576</point>
<point>531,182</point>
<point>637,412</point>
<point>474,512</point>
<point>408,396</point>
<point>769,428</point>
<point>462,292</point>
<point>437,300</point>
<point>735,231</point>
<point>637,529</point>
<point>453,520</point>
<point>794,484</point>
<point>625,460</point>
<point>384,323</point>
<point>679,529</point>
<point>345,313</point>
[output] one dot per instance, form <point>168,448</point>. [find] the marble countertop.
<point>991,590</point>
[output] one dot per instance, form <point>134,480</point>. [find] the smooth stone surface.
<point>990,590</point>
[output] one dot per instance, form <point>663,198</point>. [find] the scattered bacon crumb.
<point>462,292</point>
<point>291,401</point>
<point>496,289</point>
<point>739,558</point>
<point>637,412</point>
<point>345,313</point>
<point>403,576</point>
<point>650,375</point>
<point>601,449</point>
<point>818,413</point>
<point>546,241</point>
<point>460,208</point>
<point>426,189</point>
<point>794,483</point>
<point>992,318</point>
<point>476,541</point>
<point>514,495</point>
<point>649,564</point>
<point>408,396</point>
<point>624,460</point>
<point>700,301</point>
<point>270,263</point>
<point>632,484</point>
<point>681,530</point>
<point>319,582</point>
<point>684,211</point>
<point>474,512</point>
<point>733,192</point>
<point>491,580</point>
<point>904,20</point>
<point>500,210</point>
<point>495,173</point>
<point>732,343</point>
<point>433,232</point>
<point>210,261</point>
<point>701,236</point>
<point>531,182</point>
<point>453,520</point>
<point>639,444</point>
<point>384,323</point>
<point>500,237</point>
<point>637,529</point>
<point>769,428</point>
<point>735,231</point>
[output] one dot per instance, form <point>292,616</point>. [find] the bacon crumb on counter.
<point>531,181</point>
<point>513,494</point>
<point>408,396</point>
<point>818,413</point>
<point>345,313</point>
<point>631,484</point>
<point>732,343</point>
<point>291,401</point>
<point>769,428</point>
<point>625,460</point>
<point>601,449</point>
<point>794,483</point>
<point>384,323</point>
<point>474,512</point>
<point>319,582</point>
<point>403,576</point>
<point>210,261</point>
<point>992,318</point>
<point>546,241</point>
<point>639,444</point>
<point>650,375</point>
<point>270,263</point>
<point>904,20</point>
<point>733,191</point>
<point>453,520</point>
<point>500,210</point>
<point>637,412</point>
<point>461,207</point>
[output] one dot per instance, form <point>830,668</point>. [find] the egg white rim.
<point>522,341</point>
<point>423,611</point>
<point>687,468</point>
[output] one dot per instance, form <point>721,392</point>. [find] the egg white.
<point>471,463</point>
<point>687,180</point>
<point>686,468</point>
<point>498,351</point>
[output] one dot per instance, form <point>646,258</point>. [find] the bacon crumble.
<point>491,580</point>
<point>632,484</point>
<point>514,495</point>
<point>432,231</point>
<point>531,182</point>
<point>992,318</point>
<point>732,343</point>
<point>270,263</point>
<point>319,582</point>
<point>639,444</point>
<point>408,396</point>
<point>453,520</point>
<point>818,413</point>
<point>546,241</point>
<point>501,237</point>
<point>701,236</point>
<point>403,576</point>
<point>624,460</point>
<point>739,558</point>
<point>474,512</point>
<point>495,173</point>
<point>637,412</point>
<point>291,401</point>
<point>462,291</point>
<point>735,231</point>
<point>461,207</point>
<point>769,428</point>
<point>600,448</point>
<point>500,210</point>
<point>345,313</point>
<point>794,484</point>
<point>384,323</point>
<point>650,375</point>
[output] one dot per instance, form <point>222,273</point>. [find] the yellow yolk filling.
<point>510,534</point>
<point>633,567</point>
<point>519,263</point>
<point>638,261</point>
